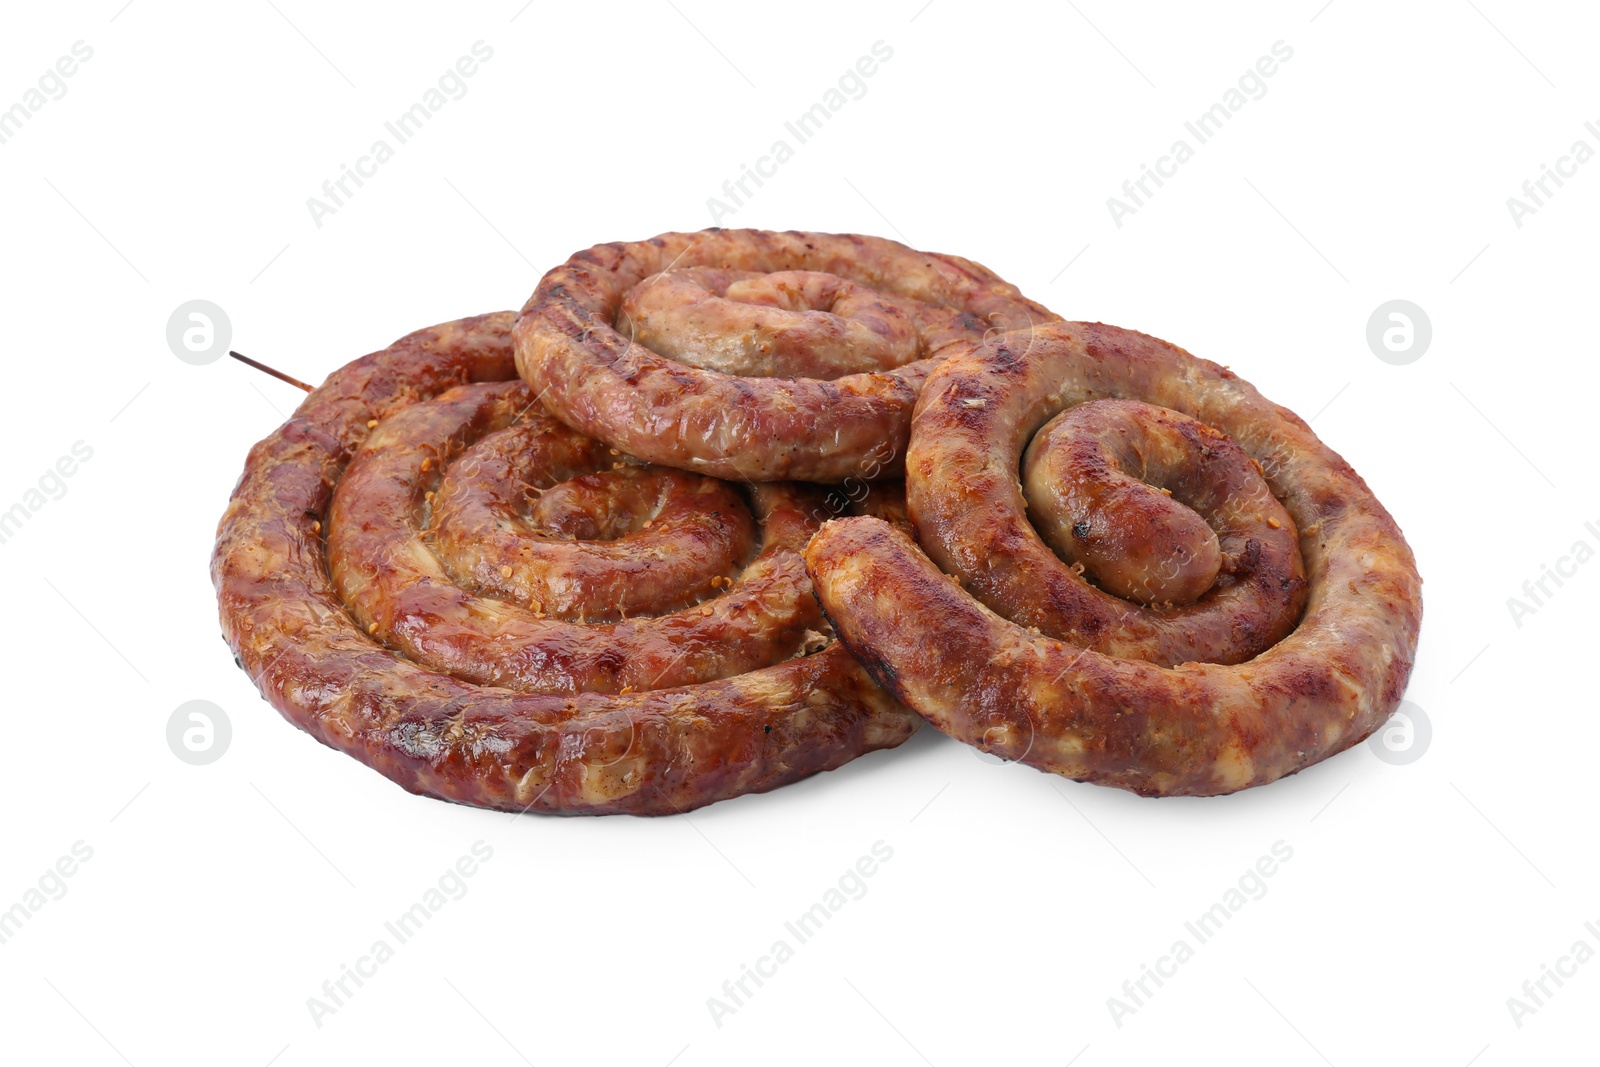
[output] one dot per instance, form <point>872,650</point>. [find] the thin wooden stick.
<point>278,374</point>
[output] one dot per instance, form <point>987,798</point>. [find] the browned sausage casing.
<point>754,355</point>
<point>1002,643</point>
<point>413,569</point>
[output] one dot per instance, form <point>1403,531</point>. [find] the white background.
<point>1377,166</point>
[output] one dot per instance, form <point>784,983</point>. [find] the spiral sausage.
<point>1227,602</point>
<point>423,570</point>
<point>754,355</point>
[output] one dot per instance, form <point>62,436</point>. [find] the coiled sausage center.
<point>1154,505</point>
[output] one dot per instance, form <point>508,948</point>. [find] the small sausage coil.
<point>1133,570</point>
<point>754,355</point>
<point>423,569</point>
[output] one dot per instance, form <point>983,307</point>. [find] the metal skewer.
<point>278,374</point>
